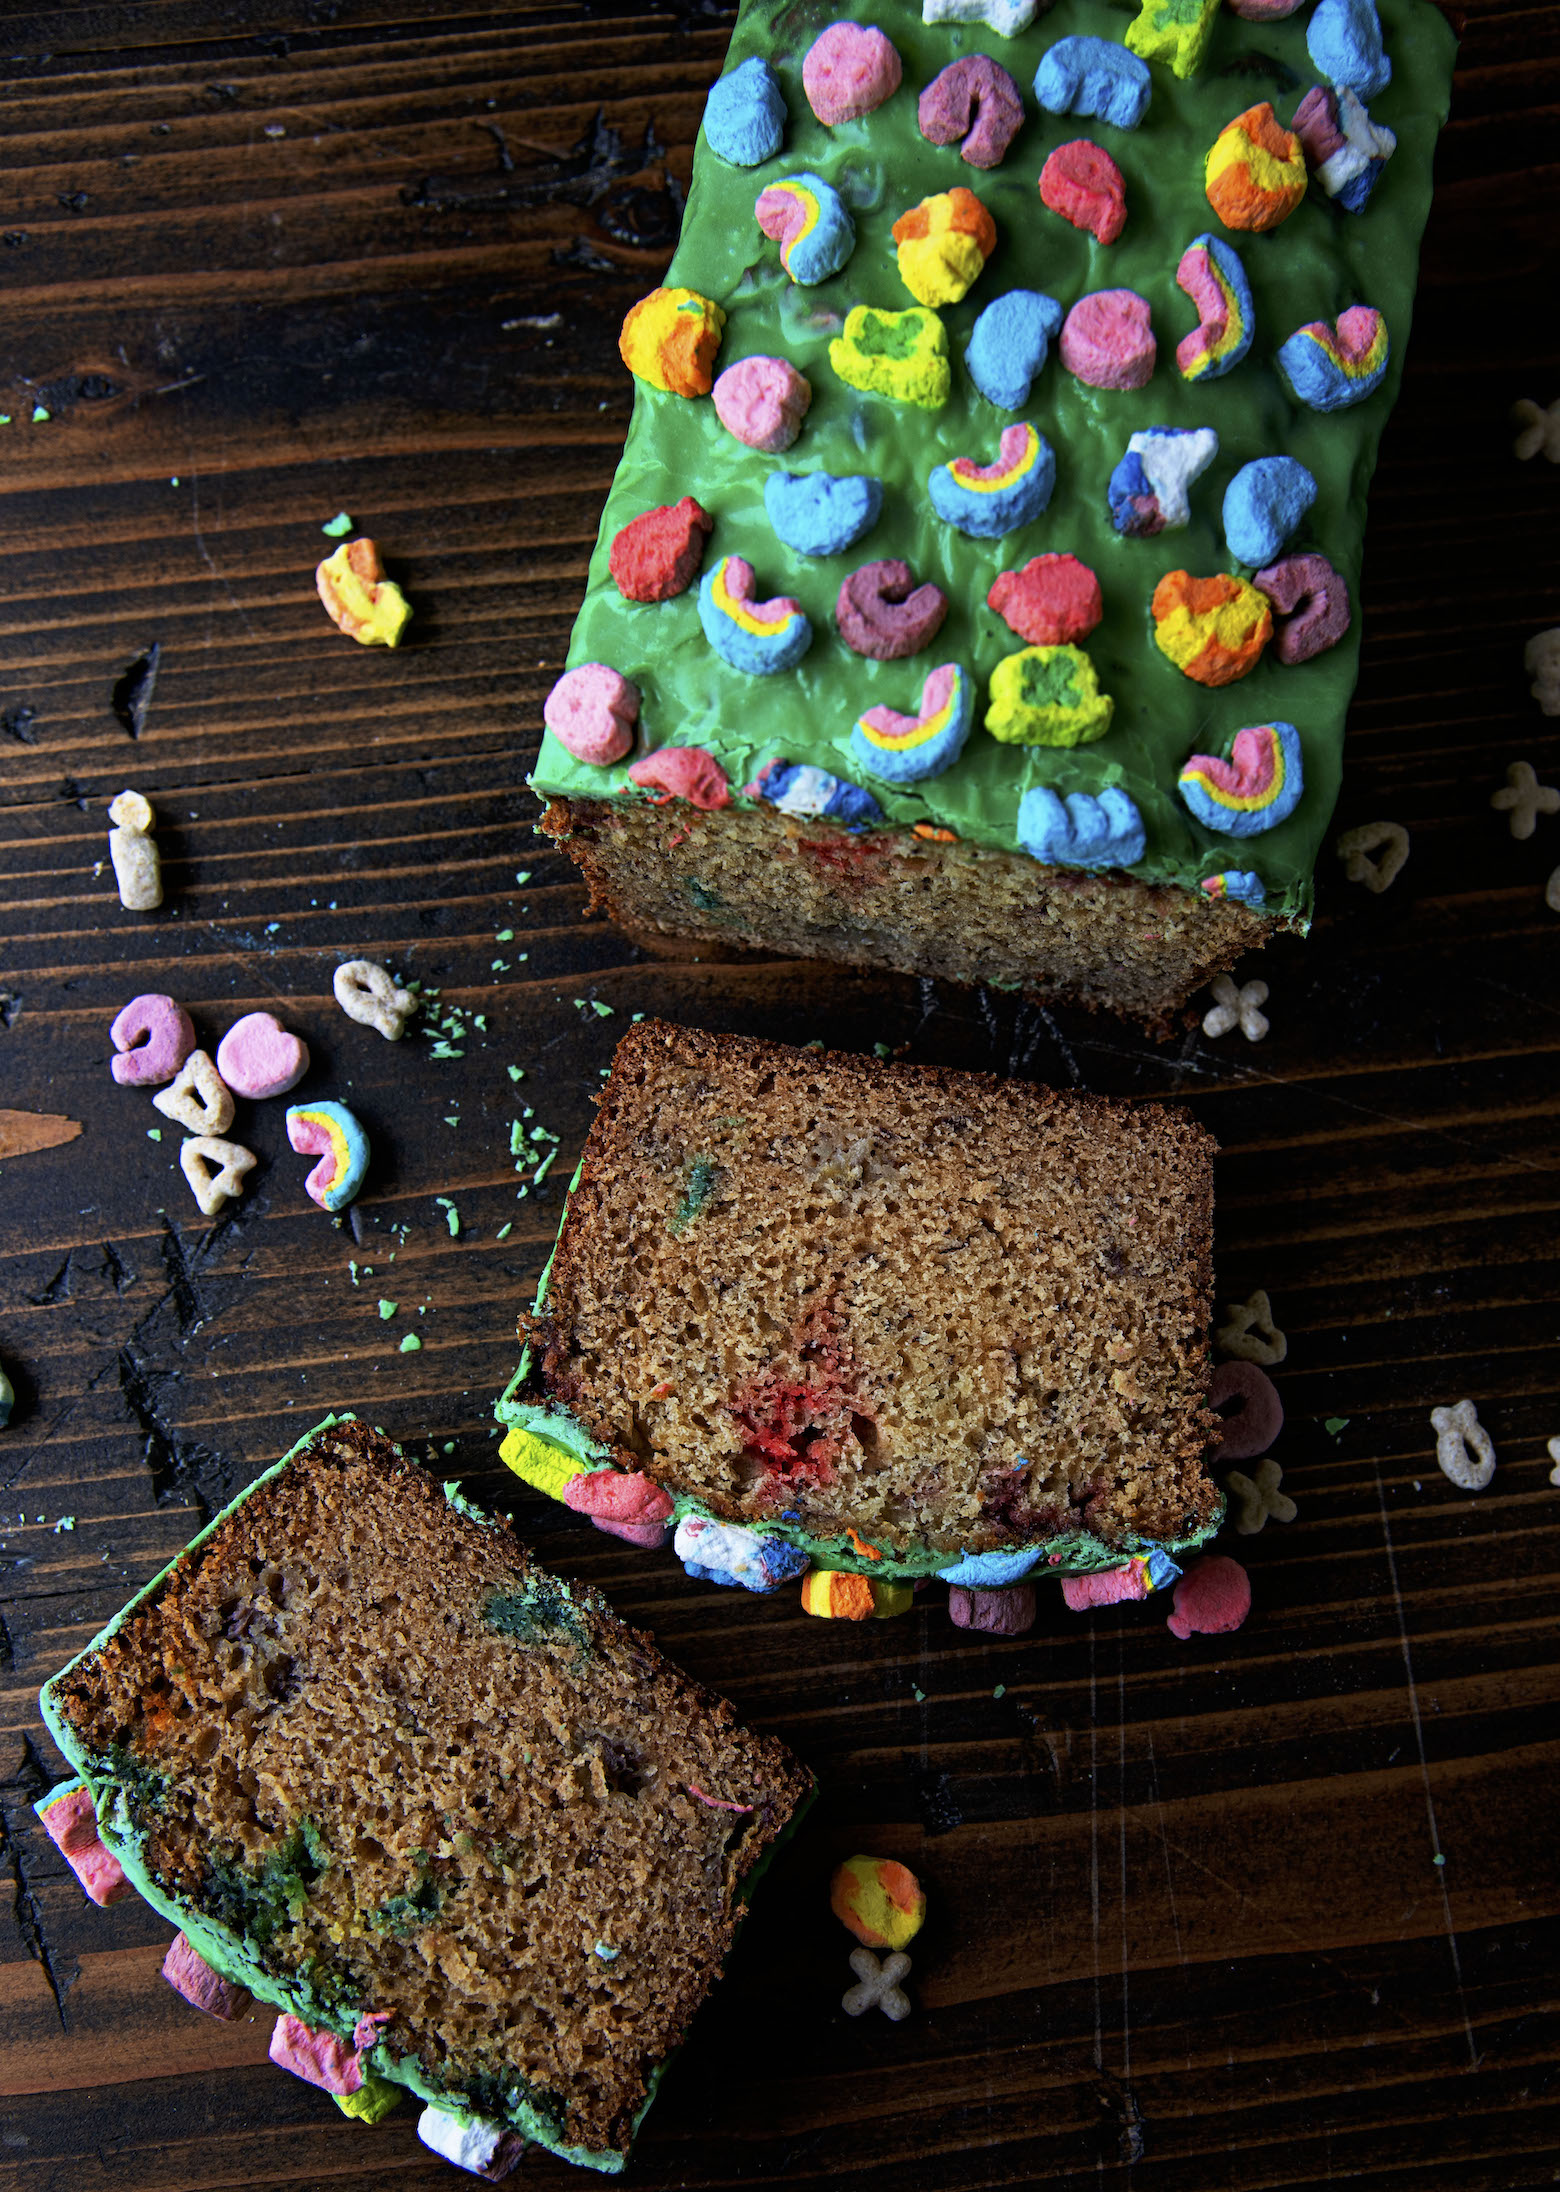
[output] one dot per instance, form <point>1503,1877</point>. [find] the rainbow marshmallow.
<point>1257,785</point>
<point>1214,279</point>
<point>806,217</point>
<point>904,749</point>
<point>988,500</point>
<point>330,1132</point>
<point>1332,367</point>
<point>759,637</point>
<point>1237,883</point>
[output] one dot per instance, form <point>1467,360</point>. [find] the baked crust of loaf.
<point>934,1307</point>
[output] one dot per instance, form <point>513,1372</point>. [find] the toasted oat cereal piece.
<point>1258,1497</point>
<point>371,996</point>
<point>133,850</point>
<point>1237,1008</point>
<point>215,1170</point>
<point>1355,847</point>
<point>198,1098</point>
<point>1462,1446</point>
<point>1250,1334</point>
<point>1524,798</point>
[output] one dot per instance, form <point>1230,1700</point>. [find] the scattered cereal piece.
<point>834,1595</point>
<point>1005,1610</point>
<point>744,116</point>
<point>1343,39</point>
<point>358,597</point>
<point>669,340</point>
<point>1249,1333</point>
<point>592,711</point>
<point>1554,1455</point>
<point>760,637</point>
<point>133,851</point>
<point>809,220</point>
<point>884,614</point>
<point>197,1098</point>
<point>901,355</point>
<point>480,2144</point>
<point>1462,1446</point>
<point>258,1057</point>
<point>763,401</point>
<point>1211,274</point>
<point>1211,1599</point>
<point>69,1818</point>
<point>1212,629</point>
<point>822,513</point>
<point>1312,604</point>
<point>1255,175</point>
<point>1009,344</point>
<point>1089,831</point>
<point>1054,599</point>
<point>878,1986</point>
<point>210,1187</point>
<point>1006,17</point>
<point>906,749</point>
<point>1236,1008</point>
<point>1258,1498</point>
<point>988,500</point>
<point>204,1989</point>
<point>625,1504</point>
<point>878,1900</point>
<point>1173,31</point>
<point>975,99</point>
<point>656,556</point>
<point>724,1552</point>
<point>371,996</point>
<point>1540,430</point>
<point>1254,1422</point>
<point>797,788</point>
<point>1048,696</point>
<point>1094,76</point>
<point>1108,340</point>
<point>1264,505</point>
<point>1148,489</point>
<point>1541,660</point>
<point>1524,799</point>
<point>684,772</point>
<point>1332,367</point>
<point>1237,883</point>
<point>1355,847</point>
<point>7,1398</point>
<point>152,1036</point>
<point>851,69</point>
<point>1344,149</point>
<point>1082,183</point>
<point>330,1132</point>
<point>944,244</point>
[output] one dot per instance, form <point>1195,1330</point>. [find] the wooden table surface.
<point>1276,1909</point>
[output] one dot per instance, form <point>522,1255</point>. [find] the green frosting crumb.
<point>387,1309</point>
<point>338,527</point>
<point>1332,1425</point>
<point>411,1344</point>
<point>698,1186</point>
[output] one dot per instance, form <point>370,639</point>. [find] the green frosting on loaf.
<point>1313,266</point>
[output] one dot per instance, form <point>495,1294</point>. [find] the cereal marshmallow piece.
<point>330,1132</point>
<point>834,1595</point>
<point>133,850</point>
<point>884,615</point>
<point>822,513</point>
<point>215,1170</point>
<point>760,637</point>
<point>1048,696</point>
<point>1344,149</point>
<point>152,1037</point>
<point>724,1552</point>
<point>319,2057</point>
<point>1255,175</point>
<point>670,339</point>
<point>1214,279</point>
<point>1246,888</point>
<point>1108,340</point>
<point>657,555</point>
<point>1174,31</point>
<point>1082,183</point>
<point>258,1057</point>
<point>479,2144</point>
<point>1211,1599</point>
<point>370,995</point>
<point>592,711</point>
<point>624,1503</point>
<point>69,1818</point>
<point>1052,600</point>
<point>808,219</point>
<point>1006,17</point>
<point>1094,76</point>
<point>762,402</point>
<point>1148,489</point>
<point>1311,606</point>
<point>1009,345</point>
<point>744,116</point>
<point>988,500</point>
<point>907,749</point>
<point>1103,830</point>
<point>198,1099</point>
<point>975,99</point>
<point>203,1988</point>
<point>901,355</point>
<point>1264,505</point>
<point>944,244</point>
<point>536,1461</point>
<point>1332,367</point>
<point>359,599</point>
<point>1257,785</point>
<point>1008,1611</point>
<point>848,72</point>
<point>878,1900</point>
<point>797,788</point>
<point>1212,629</point>
<point>684,772</point>
<point>1343,39</point>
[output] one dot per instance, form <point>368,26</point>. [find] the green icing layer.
<point>1313,266</point>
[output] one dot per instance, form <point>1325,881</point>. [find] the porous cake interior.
<point>421,1775</point>
<point>935,1307</point>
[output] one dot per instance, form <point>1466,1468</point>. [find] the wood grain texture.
<point>1188,1928</point>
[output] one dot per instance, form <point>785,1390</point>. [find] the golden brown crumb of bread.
<point>368,1729</point>
<point>939,1308</point>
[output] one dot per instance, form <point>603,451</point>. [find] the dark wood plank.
<point>1186,1913</point>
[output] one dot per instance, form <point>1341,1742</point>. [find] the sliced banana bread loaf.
<point>381,1767</point>
<point>889,1312</point>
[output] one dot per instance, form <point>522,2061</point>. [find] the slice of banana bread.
<point>892,1313</point>
<point>379,1766</point>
